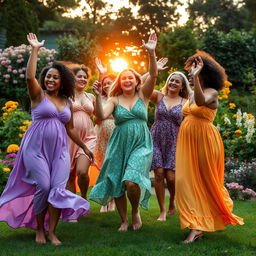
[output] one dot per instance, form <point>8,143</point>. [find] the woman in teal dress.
<point>129,152</point>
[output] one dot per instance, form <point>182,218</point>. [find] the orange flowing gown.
<point>203,201</point>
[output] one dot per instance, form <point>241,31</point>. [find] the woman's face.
<point>106,84</point>
<point>81,79</point>
<point>128,81</point>
<point>52,80</point>
<point>175,83</point>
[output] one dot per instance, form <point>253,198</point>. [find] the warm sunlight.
<point>118,65</point>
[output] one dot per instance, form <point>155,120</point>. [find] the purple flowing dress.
<point>164,133</point>
<point>41,172</point>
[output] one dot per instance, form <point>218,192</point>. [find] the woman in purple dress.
<point>35,195</point>
<point>168,117</point>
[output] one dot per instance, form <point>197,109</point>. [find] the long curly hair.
<point>184,92</point>
<point>213,75</point>
<point>116,90</point>
<point>67,79</point>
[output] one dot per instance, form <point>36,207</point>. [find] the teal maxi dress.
<point>128,156</point>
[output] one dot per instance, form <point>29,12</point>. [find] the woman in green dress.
<point>129,152</point>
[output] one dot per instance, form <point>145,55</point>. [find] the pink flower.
<point>22,75</point>
<point>14,81</point>
<point>14,71</point>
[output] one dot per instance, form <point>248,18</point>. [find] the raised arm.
<point>150,82</point>
<point>208,97</point>
<point>34,89</point>
<point>102,69</point>
<point>108,107</point>
<point>160,66</point>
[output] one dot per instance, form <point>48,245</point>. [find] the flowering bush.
<point>6,166</point>
<point>236,128</point>
<point>14,124</point>
<point>238,192</point>
<point>13,61</point>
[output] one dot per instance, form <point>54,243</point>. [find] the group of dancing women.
<point>183,147</point>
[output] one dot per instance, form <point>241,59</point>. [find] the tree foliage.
<point>224,15</point>
<point>19,20</point>
<point>235,51</point>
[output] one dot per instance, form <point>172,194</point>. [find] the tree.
<point>235,51</point>
<point>19,20</point>
<point>178,44</point>
<point>224,15</point>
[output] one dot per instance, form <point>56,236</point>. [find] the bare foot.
<point>171,211</point>
<point>124,226</point>
<point>162,216</point>
<point>73,221</point>
<point>193,235</point>
<point>40,237</point>
<point>53,239</point>
<point>104,208</point>
<point>136,220</point>
<point>111,206</point>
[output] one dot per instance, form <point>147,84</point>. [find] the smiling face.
<point>128,81</point>
<point>81,79</point>
<point>175,83</point>
<point>52,80</point>
<point>106,84</point>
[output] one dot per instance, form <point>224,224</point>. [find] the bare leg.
<point>40,236</point>
<point>104,208</point>
<point>111,206</point>
<point>160,192</point>
<point>193,235</point>
<point>170,177</point>
<point>133,193</point>
<point>54,218</point>
<point>82,167</point>
<point>71,182</point>
<point>121,205</point>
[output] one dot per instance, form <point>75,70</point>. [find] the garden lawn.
<point>97,235</point>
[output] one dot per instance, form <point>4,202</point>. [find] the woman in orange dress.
<point>203,201</point>
<point>83,107</point>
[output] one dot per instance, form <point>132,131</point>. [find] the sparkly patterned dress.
<point>164,133</point>
<point>128,156</point>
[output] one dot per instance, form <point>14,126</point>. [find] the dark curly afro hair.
<point>66,77</point>
<point>212,73</point>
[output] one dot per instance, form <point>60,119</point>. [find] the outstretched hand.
<point>151,44</point>
<point>196,66</point>
<point>97,88</point>
<point>102,69</point>
<point>161,64</point>
<point>32,39</point>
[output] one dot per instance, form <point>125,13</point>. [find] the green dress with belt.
<point>128,156</point>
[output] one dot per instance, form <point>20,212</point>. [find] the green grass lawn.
<point>97,235</point>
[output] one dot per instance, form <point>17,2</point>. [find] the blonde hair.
<point>185,83</point>
<point>116,90</point>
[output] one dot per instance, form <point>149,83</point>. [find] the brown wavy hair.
<point>116,90</point>
<point>213,75</point>
<point>110,76</point>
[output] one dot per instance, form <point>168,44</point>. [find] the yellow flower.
<point>23,128</point>
<point>232,105</point>
<point>6,169</point>
<point>5,114</point>
<point>249,115</point>
<point>238,131</point>
<point>13,107</point>
<point>9,109</point>
<point>227,83</point>
<point>235,115</point>
<point>8,104</point>
<point>240,137</point>
<point>220,97</point>
<point>28,123</point>
<point>4,107</point>
<point>12,148</point>
<point>225,96</point>
<point>21,135</point>
<point>233,141</point>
